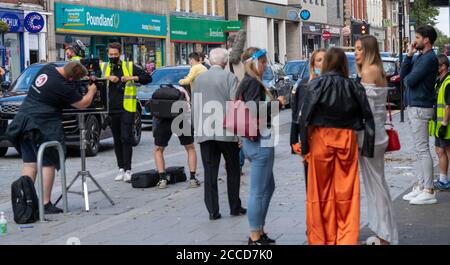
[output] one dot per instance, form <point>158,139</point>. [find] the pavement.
<point>177,215</point>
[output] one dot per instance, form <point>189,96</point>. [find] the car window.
<point>294,67</point>
<point>23,83</point>
<point>268,74</point>
<point>389,68</point>
<point>352,67</point>
<point>305,73</point>
<point>169,76</point>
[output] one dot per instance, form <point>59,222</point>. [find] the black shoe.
<point>215,216</point>
<point>49,208</point>
<point>240,211</point>
<point>268,239</point>
<point>259,242</point>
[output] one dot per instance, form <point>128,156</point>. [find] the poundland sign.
<point>101,21</point>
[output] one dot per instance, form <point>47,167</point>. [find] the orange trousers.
<point>333,198</point>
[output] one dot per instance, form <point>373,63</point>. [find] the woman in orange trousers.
<point>335,108</point>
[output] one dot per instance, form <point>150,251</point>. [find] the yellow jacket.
<point>195,71</point>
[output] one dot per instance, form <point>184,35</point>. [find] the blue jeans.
<point>241,158</point>
<point>262,183</point>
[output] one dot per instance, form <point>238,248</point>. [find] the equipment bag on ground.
<point>25,203</point>
<point>145,179</point>
<point>175,174</point>
<point>160,105</point>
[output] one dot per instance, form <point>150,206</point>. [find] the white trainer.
<point>120,175</point>
<point>415,191</point>
<point>424,198</point>
<point>127,176</point>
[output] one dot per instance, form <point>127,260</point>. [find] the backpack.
<point>24,200</point>
<point>160,105</point>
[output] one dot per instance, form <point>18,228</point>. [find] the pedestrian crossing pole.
<point>400,57</point>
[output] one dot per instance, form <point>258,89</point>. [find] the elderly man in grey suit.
<point>212,89</point>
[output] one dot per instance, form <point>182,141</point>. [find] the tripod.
<point>84,174</point>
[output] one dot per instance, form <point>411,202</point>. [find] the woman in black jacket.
<point>335,107</point>
<point>259,150</point>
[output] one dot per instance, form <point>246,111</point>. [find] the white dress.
<point>379,203</point>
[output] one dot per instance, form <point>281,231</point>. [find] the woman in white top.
<point>373,78</point>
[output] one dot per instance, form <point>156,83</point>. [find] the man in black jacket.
<point>123,105</point>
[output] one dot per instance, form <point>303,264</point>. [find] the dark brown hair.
<point>75,71</point>
<point>115,45</point>
<point>335,60</point>
<point>195,56</point>
<point>443,59</point>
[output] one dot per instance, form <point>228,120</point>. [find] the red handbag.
<point>239,120</point>
<point>394,140</point>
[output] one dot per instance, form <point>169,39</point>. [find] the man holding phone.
<point>419,77</point>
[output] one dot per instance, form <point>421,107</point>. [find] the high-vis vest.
<point>129,98</point>
<point>434,126</point>
<point>76,58</point>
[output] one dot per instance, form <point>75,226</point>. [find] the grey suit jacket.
<point>212,89</point>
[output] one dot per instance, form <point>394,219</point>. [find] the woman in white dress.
<point>379,203</point>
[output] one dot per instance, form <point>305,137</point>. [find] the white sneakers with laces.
<point>127,176</point>
<point>424,198</point>
<point>414,193</point>
<point>120,175</point>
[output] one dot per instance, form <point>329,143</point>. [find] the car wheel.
<point>137,128</point>
<point>92,136</point>
<point>3,151</point>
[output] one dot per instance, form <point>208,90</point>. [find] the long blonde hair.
<point>371,53</point>
<point>312,62</point>
<point>251,69</point>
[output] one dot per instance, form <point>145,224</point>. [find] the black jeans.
<point>122,129</point>
<point>211,152</point>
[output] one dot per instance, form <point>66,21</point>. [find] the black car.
<point>12,97</point>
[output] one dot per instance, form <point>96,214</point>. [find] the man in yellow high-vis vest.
<point>76,51</point>
<point>122,77</point>
<point>441,130</point>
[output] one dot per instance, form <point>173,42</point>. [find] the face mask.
<point>317,71</point>
<point>114,60</point>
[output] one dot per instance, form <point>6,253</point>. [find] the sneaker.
<point>49,208</point>
<point>194,183</point>
<point>268,239</point>
<point>442,186</point>
<point>127,176</point>
<point>162,184</point>
<point>424,198</point>
<point>415,191</point>
<point>259,242</point>
<point>120,175</point>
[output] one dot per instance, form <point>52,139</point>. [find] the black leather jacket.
<point>334,101</point>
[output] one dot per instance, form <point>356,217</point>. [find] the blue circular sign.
<point>34,22</point>
<point>12,20</point>
<point>292,15</point>
<point>305,14</point>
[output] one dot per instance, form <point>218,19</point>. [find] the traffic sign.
<point>326,35</point>
<point>305,14</point>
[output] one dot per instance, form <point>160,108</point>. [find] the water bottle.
<point>3,224</point>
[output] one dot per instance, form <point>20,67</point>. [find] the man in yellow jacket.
<point>196,69</point>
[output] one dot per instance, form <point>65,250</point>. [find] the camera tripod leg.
<point>85,192</point>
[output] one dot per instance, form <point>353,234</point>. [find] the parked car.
<point>392,71</point>
<point>294,69</point>
<point>162,76</point>
<point>13,96</point>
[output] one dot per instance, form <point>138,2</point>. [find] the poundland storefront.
<point>142,35</point>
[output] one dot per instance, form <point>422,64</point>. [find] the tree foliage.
<point>424,13</point>
<point>3,27</point>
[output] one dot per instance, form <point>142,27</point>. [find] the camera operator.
<point>39,120</point>
<point>122,105</point>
